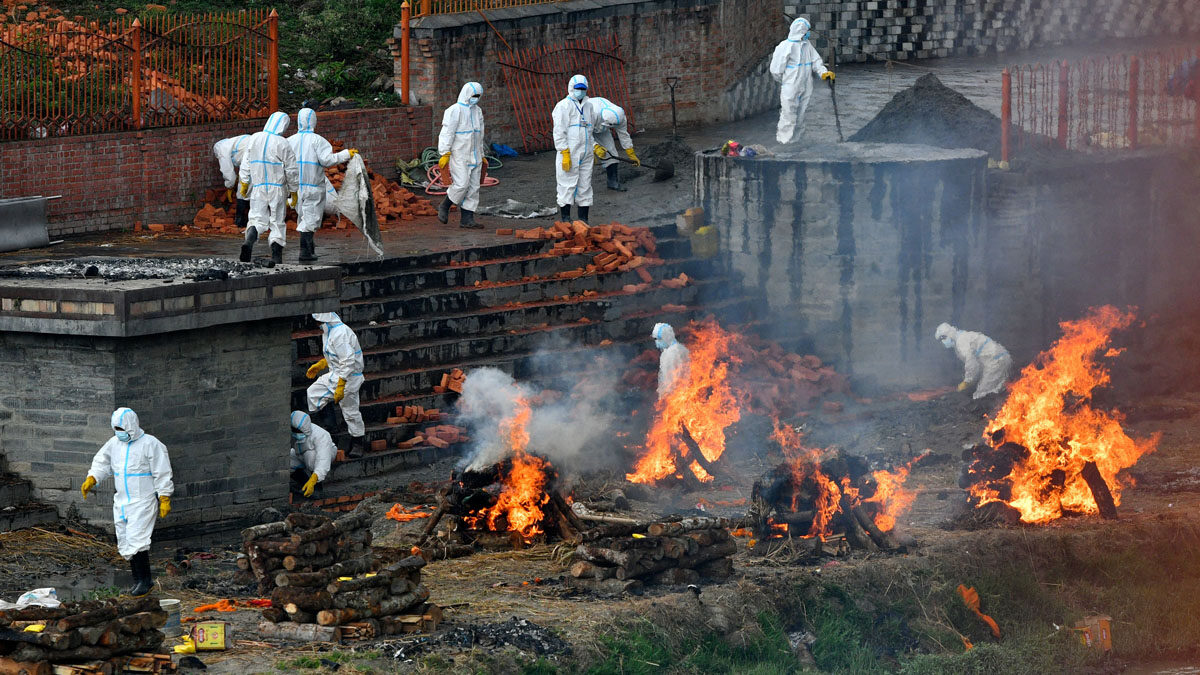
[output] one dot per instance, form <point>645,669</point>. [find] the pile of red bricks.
<point>617,246</point>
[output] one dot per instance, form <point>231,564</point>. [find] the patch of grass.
<point>102,593</point>
<point>299,663</point>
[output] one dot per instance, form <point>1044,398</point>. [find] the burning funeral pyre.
<point>1048,452</point>
<point>827,500</point>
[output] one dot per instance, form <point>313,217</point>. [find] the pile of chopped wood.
<point>305,542</point>
<point>618,247</point>
<point>88,633</point>
<point>619,557</point>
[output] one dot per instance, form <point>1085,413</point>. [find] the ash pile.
<point>930,113</point>
<point>618,558</point>
<point>326,583</point>
<point>129,269</point>
<point>95,636</point>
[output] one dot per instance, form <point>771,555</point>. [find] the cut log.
<point>295,562</point>
<point>301,616</point>
<point>1100,491</point>
<point>365,599</point>
<point>304,579</point>
<point>680,526</point>
<point>883,540</point>
<point>606,586</point>
<point>696,454</point>
<point>306,599</point>
<point>855,534</point>
<point>103,634</point>
<point>638,525</point>
<point>351,567</point>
<point>387,607</point>
<point>121,607</point>
<point>679,547</point>
<point>274,614</point>
<point>433,521</point>
<point>362,630</point>
<point>304,521</point>
<point>720,550</point>
<point>603,532</point>
<point>323,532</point>
<point>599,554</point>
<point>265,530</point>
<point>719,569</point>
<point>141,621</point>
<point>33,614</point>
<point>583,569</point>
<point>567,512</point>
<point>301,632</point>
<point>283,547</point>
<point>355,520</point>
<point>11,667</point>
<point>51,639</point>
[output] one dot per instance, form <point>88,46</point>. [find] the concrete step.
<point>14,491</point>
<point>31,514</point>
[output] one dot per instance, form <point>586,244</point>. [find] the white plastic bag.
<point>38,597</point>
<point>356,204</point>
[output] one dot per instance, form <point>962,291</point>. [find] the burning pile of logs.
<point>86,633</point>
<point>617,558</point>
<point>305,542</point>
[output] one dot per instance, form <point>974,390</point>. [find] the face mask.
<point>298,437</point>
<point>123,436</point>
<point>661,344</point>
<point>474,100</point>
<point>578,94</point>
<point>947,342</point>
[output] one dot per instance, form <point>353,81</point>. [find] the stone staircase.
<point>420,316</point>
<point>17,506</point>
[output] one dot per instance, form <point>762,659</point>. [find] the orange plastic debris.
<point>222,605</point>
<point>971,600</point>
<point>404,514</point>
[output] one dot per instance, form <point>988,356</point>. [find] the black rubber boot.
<point>468,220</point>
<point>357,446</point>
<point>308,247</point>
<point>614,182</point>
<point>564,213</point>
<point>248,245</point>
<point>444,211</point>
<point>276,253</point>
<point>583,213</point>
<point>142,581</point>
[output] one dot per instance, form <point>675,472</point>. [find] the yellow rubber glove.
<point>353,152</point>
<point>292,200</point>
<point>566,159</point>
<point>311,485</point>
<point>316,368</point>
<point>164,506</point>
<point>188,646</point>
<point>632,156</point>
<point>962,386</point>
<point>229,195</point>
<point>828,75</point>
<point>444,161</point>
<point>244,190</point>
<point>340,392</point>
<point>87,486</point>
<point>599,151</point>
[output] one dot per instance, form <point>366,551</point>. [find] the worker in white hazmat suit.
<point>611,119</point>
<point>313,155</point>
<point>270,179</point>
<point>141,472</point>
<point>312,454</point>
<point>228,152</point>
<point>793,65</point>
<point>984,360</point>
<point>460,145</point>
<point>673,362</point>
<point>344,359</point>
<point>573,119</point>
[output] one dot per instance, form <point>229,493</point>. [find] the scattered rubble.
<point>522,634</point>
<point>619,247</point>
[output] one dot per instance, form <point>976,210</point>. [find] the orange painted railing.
<point>1121,101</point>
<point>430,7</point>
<point>67,78</point>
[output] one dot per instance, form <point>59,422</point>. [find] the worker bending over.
<point>573,118</point>
<point>984,360</point>
<point>312,454</point>
<point>141,472</point>
<point>340,385</point>
<point>793,64</point>
<point>609,119</point>
<point>460,144</point>
<point>228,152</point>
<point>269,178</point>
<point>313,154</point>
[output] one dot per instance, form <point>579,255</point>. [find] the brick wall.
<point>110,181</point>
<point>918,29</point>
<point>705,43</point>
<point>221,409</point>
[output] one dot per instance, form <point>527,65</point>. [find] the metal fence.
<point>429,7</point>
<point>1112,102</point>
<point>536,79</point>
<point>67,79</point>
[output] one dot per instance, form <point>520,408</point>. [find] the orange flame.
<point>1048,412</point>
<point>890,495</point>
<point>704,404</point>
<point>404,514</point>
<point>521,500</point>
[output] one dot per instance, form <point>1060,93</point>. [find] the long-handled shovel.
<point>836,117</point>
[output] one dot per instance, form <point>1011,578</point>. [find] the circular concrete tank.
<point>860,249</point>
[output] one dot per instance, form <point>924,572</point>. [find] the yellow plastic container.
<point>209,635</point>
<point>1095,632</point>
<point>705,242</point>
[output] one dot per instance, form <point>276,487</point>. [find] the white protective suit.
<point>313,155</point>
<point>316,452</point>
<point>984,360</point>
<point>609,119</point>
<point>462,137</point>
<point>793,65</point>
<point>141,472</point>
<point>269,165</point>
<point>228,152</point>
<point>673,362</point>
<point>345,359</point>
<point>573,122</point>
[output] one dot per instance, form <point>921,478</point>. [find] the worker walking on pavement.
<point>312,454</point>
<point>573,119</point>
<point>313,154</point>
<point>984,360</point>
<point>228,152</point>
<point>344,361</point>
<point>141,472</point>
<point>269,179</point>
<point>609,119</point>
<point>793,65</point>
<point>460,145</point>
<point>673,362</point>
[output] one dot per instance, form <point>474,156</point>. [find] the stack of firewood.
<point>305,542</point>
<point>623,557</point>
<point>85,633</point>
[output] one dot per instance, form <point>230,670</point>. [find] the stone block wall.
<point>919,29</point>
<point>111,181</point>
<point>221,408</point>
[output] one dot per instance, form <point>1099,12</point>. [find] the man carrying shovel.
<point>609,119</point>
